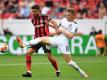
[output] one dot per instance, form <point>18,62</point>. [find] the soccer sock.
<point>54,63</point>
<point>74,65</point>
<point>28,63</point>
<point>32,42</point>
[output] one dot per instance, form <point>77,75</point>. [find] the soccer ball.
<point>3,47</point>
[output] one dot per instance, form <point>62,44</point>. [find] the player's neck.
<point>70,20</point>
<point>37,17</point>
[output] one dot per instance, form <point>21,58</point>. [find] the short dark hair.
<point>100,32</point>
<point>37,7</point>
<point>71,10</point>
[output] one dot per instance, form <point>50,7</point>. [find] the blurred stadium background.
<point>15,18</point>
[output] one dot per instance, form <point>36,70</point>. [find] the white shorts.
<point>60,43</point>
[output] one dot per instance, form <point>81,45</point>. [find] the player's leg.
<point>105,51</point>
<point>28,62</point>
<point>32,42</point>
<point>102,51</point>
<point>52,60</point>
<point>29,53</point>
<point>67,56</point>
<point>73,64</point>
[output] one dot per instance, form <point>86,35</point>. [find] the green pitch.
<point>11,68</point>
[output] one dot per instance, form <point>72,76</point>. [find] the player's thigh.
<point>66,52</point>
<point>46,50</point>
<point>52,41</point>
<point>45,40</point>
<point>64,49</point>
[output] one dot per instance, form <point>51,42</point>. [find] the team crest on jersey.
<point>41,21</point>
<point>70,26</point>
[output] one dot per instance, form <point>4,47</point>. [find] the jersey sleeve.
<point>73,28</point>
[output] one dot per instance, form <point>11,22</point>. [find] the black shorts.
<point>38,46</point>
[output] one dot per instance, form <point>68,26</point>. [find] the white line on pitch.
<point>42,63</point>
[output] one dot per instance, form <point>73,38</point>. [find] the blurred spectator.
<point>45,7</point>
<point>102,11</point>
<point>10,8</point>
<point>100,42</point>
<point>24,10</point>
<point>93,31</point>
<point>91,9</point>
<point>7,32</point>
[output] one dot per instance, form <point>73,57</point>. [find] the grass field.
<point>11,68</point>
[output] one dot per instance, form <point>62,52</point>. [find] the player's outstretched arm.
<point>65,32</point>
<point>54,24</point>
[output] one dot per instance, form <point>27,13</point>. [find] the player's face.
<point>69,15</point>
<point>35,12</point>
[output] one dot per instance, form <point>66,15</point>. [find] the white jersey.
<point>69,26</point>
<point>61,41</point>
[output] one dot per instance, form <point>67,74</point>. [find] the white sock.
<point>76,67</point>
<point>29,71</point>
<point>58,70</point>
<point>32,42</point>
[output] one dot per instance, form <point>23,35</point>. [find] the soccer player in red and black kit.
<point>41,26</point>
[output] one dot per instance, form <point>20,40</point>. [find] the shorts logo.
<point>67,48</point>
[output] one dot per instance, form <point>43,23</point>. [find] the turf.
<point>11,68</point>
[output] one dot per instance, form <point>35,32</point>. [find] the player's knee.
<point>70,62</point>
<point>30,52</point>
<point>49,55</point>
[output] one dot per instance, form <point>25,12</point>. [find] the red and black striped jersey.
<point>41,26</point>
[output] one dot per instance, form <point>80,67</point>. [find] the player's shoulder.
<point>64,19</point>
<point>75,24</point>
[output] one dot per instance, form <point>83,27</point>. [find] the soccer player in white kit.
<point>66,30</point>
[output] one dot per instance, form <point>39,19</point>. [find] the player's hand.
<point>57,32</point>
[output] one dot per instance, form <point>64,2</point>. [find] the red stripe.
<point>42,31</point>
<point>37,32</point>
<point>37,28</point>
<point>35,35</point>
<point>47,30</point>
<point>41,28</point>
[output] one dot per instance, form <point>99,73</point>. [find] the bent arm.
<point>54,24</point>
<point>66,32</point>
